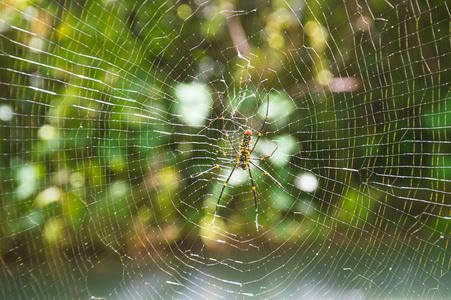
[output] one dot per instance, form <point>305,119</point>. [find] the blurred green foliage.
<point>97,144</point>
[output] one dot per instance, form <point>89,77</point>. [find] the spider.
<point>242,159</point>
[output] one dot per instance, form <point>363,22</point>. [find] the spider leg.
<point>255,198</point>
<point>220,195</point>
<point>269,175</point>
<point>260,132</point>
<point>226,154</point>
<point>263,158</point>
<point>212,168</point>
<point>231,144</point>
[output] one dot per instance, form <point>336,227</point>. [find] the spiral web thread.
<point>110,109</point>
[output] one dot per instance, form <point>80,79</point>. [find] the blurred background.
<point>110,110</point>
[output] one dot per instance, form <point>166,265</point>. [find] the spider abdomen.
<point>245,150</point>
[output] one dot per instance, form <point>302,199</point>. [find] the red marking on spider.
<point>248,132</point>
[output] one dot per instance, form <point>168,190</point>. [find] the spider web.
<point>108,109</point>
